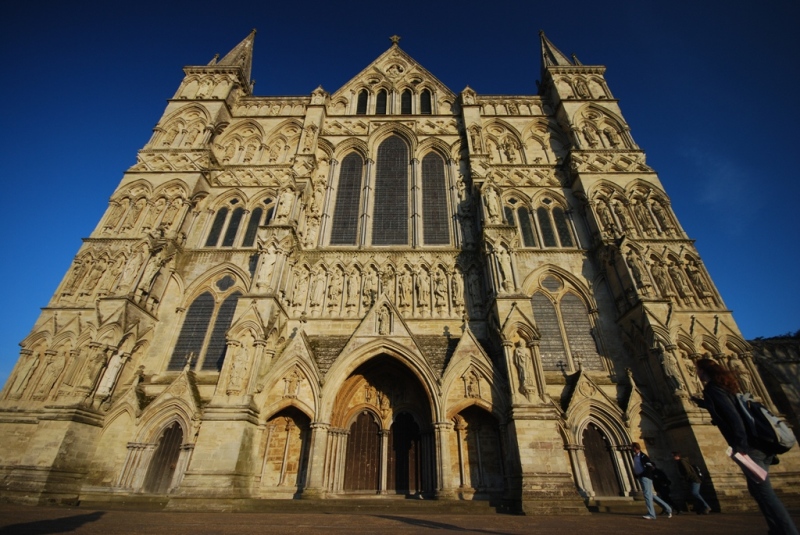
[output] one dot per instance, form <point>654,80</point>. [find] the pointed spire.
<point>550,54</point>
<point>241,55</point>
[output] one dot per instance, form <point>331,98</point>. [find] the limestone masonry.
<point>388,290</point>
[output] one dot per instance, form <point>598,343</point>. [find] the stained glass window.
<point>252,228</point>
<point>579,333</point>
<point>434,201</point>
<point>216,345</point>
<point>562,227</point>
<point>425,102</point>
<point>525,227</point>
<point>551,346</point>
<point>380,103</point>
<point>390,216</point>
<point>216,227</point>
<point>233,226</point>
<point>361,105</point>
<point>193,332</point>
<point>548,235</point>
<point>345,217</point>
<point>405,102</point>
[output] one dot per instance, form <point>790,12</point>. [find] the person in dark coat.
<point>719,400</point>
<point>689,474</point>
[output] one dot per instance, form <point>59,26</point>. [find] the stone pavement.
<point>20,519</point>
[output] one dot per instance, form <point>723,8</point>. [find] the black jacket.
<point>721,405</point>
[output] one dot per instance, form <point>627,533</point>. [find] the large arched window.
<point>567,340</point>
<point>202,335</point>
<point>434,201</point>
<point>348,193</point>
<point>390,215</point>
<point>257,218</point>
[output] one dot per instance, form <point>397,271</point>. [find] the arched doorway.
<point>165,460</point>
<point>600,462</point>
<point>286,451</point>
<point>478,450</point>
<point>382,422</point>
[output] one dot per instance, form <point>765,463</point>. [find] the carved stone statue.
<point>678,280</point>
<point>405,289</point>
<point>133,214</point>
<point>643,217</point>
<point>522,362</point>
<point>353,284</point>
<point>95,273</point>
<point>671,370</point>
<point>639,276</point>
<point>335,290</point>
<point>318,288</point>
<point>474,288</point>
<point>604,215</point>
<point>370,289</point>
<point>590,134</point>
<point>660,276</point>
<point>27,367</point>
<point>153,212</point>
<point>92,371</point>
<point>439,290</point>
<point>285,201</point>
<point>423,287</point>
<point>745,380</point>
<point>240,365</point>
<point>114,216</point>
<point>457,284</point>
<point>110,375</point>
<point>493,208</point>
<point>622,217</point>
<point>54,365</point>
<point>383,321</point>
<point>696,277</point>
<point>662,218</point>
<point>506,273</point>
<point>612,135</point>
<point>581,89</point>
<point>298,297</point>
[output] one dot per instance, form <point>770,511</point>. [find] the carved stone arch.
<point>135,190</point>
<point>537,198</point>
<point>326,147</point>
<point>518,194</point>
<point>172,189</point>
<point>62,338</point>
<point>532,283</point>
<point>433,144</point>
<point>183,112</point>
<point>642,188</point>
<point>709,344</point>
<point>153,422</point>
<point>274,384</point>
<point>735,344</point>
<point>609,419</point>
<point>389,129</point>
<point>207,282</point>
<point>353,413</point>
<point>605,190</point>
<point>351,145</point>
<point>343,368</point>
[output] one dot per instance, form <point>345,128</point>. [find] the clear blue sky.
<point>710,90</point>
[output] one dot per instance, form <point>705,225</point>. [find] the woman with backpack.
<point>719,391</point>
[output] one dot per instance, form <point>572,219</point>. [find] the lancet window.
<point>388,206</point>
<point>202,336</point>
<point>232,221</point>
<point>567,339</point>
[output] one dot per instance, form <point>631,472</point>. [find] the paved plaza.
<point>16,519</point>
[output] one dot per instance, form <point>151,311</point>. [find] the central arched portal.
<point>384,414</point>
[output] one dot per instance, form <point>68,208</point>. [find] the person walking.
<point>643,469</point>
<point>690,475</point>
<point>720,388</point>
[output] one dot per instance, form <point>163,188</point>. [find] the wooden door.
<point>164,461</point>
<point>403,470</point>
<point>363,460</point>
<point>600,462</point>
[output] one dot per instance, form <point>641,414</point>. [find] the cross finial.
<point>395,39</point>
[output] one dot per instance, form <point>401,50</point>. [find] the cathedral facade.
<point>389,290</point>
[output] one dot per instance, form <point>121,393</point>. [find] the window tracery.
<point>201,343</point>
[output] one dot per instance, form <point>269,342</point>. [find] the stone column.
<point>316,461</point>
<point>444,477</point>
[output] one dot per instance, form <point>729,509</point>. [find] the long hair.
<point>718,375</point>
